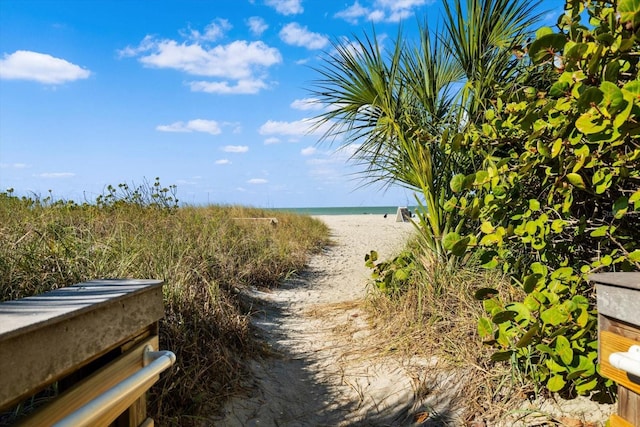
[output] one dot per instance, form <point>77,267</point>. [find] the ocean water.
<point>351,210</point>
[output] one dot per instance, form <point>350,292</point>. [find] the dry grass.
<point>203,255</point>
<point>435,320</point>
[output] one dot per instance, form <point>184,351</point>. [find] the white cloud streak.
<point>56,175</point>
<point>198,125</point>
<point>303,127</point>
<point>13,166</point>
<point>381,10</point>
<point>223,162</point>
<point>297,35</point>
<point>212,32</point>
<point>241,87</point>
<point>272,140</point>
<point>235,148</point>
<point>257,181</point>
<point>307,104</point>
<point>40,67</point>
<point>309,151</point>
<point>286,7</point>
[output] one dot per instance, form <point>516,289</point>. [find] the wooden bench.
<point>96,340</point>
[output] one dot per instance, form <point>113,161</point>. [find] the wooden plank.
<point>75,325</point>
<point>619,303</point>
<point>629,405</point>
<point>31,313</point>
<point>610,343</point>
<point>617,421</point>
<point>628,330</point>
<point>625,280</point>
<point>88,389</point>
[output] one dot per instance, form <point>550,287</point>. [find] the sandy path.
<point>323,374</point>
<point>313,379</point>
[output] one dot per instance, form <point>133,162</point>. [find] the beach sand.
<point>320,374</point>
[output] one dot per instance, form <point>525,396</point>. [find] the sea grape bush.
<point>558,194</point>
<point>394,276</point>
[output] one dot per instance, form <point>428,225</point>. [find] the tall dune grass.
<point>204,255</point>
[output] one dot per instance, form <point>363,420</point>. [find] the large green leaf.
<point>450,239</point>
<point>545,48</point>
<point>485,327</point>
<point>554,316</point>
<point>457,183</point>
<point>613,98</point>
<point>501,356</point>
<point>563,349</point>
<point>485,293</point>
<point>576,180</point>
<point>504,316</point>
<point>591,123</point>
<point>527,338</point>
<point>628,10</point>
<point>556,383</point>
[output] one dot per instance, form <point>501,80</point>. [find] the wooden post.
<point>618,296</point>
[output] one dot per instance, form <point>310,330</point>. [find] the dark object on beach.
<point>385,215</point>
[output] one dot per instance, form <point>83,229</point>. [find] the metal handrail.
<point>628,361</point>
<point>155,362</point>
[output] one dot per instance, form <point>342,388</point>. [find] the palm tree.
<point>402,107</point>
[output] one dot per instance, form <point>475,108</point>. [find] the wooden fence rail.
<point>88,339</point>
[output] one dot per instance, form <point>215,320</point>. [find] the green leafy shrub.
<point>394,276</point>
<point>558,195</point>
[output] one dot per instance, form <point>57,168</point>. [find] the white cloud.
<point>235,148</point>
<point>40,67</point>
<point>353,13</point>
<point>223,162</point>
<point>308,151</point>
<point>212,32</point>
<point>286,7</point>
<point>241,87</point>
<point>236,60</point>
<point>306,104</point>
<point>297,35</point>
<point>198,125</point>
<point>13,166</point>
<point>376,15</point>
<point>382,10</point>
<point>257,181</point>
<point>271,140</point>
<point>56,175</point>
<point>257,25</point>
<point>240,65</point>
<point>301,127</point>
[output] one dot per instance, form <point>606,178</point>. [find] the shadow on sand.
<point>294,386</point>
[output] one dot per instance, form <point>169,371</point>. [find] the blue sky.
<point>212,96</point>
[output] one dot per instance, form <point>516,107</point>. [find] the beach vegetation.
<point>204,255</point>
<point>524,154</point>
<point>558,193</point>
<point>404,109</point>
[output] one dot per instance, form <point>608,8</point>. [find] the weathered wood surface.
<point>47,337</point>
<point>629,406</point>
<point>618,296</point>
<point>624,280</point>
